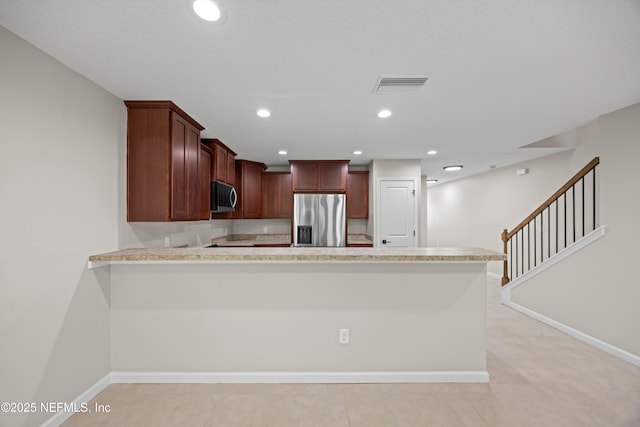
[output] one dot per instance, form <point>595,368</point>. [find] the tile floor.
<point>539,377</point>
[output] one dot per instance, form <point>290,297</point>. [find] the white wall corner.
<point>84,398</point>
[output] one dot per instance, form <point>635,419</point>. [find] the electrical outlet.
<point>264,230</point>
<point>167,242</point>
<point>343,336</point>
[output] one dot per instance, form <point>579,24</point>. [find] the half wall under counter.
<point>274,314</point>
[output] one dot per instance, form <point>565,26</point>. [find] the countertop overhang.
<point>293,254</point>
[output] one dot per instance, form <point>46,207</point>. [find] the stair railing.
<point>564,217</point>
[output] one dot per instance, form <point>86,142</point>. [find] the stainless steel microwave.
<point>223,197</point>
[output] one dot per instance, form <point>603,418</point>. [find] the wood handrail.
<point>507,235</point>
<point>577,177</point>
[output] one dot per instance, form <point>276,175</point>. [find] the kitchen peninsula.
<point>274,314</point>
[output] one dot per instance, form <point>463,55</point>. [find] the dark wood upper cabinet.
<point>277,197</point>
<point>319,175</point>
<point>224,161</point>
<point>163,153</point>
<point>204,176</point>
<point>358,194</point>
<point>249,187</point>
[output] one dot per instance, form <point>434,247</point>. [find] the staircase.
<point>565,222</point>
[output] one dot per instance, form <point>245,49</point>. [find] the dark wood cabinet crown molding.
<point>168,105</point>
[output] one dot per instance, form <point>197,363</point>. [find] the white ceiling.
<point>503,73</point>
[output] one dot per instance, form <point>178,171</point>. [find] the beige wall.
<point>59,137</point>
<point>595,291</point>
<point>285,317</point>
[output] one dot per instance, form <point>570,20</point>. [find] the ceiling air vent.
<point>400,84</point>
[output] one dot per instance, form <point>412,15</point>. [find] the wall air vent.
<point>410,83</point>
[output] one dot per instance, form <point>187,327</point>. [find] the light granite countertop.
<point>298,254</point>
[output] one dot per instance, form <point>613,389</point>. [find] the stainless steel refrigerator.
<point>319,220</point>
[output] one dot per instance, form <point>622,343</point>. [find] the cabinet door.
<point>192,158</point>
<point>358,194</point>
<point>332,176</point>
<point>179,180</point>
<point>251,190</point>
<point>231,168</point>
<point>148,165</point>
<point>249,187</point>
<point>220,164</point>
<point>277,198</point>
<point>185,151</point>
<point>285,196</point>
<point>204,186</point>
<point>304,175</point>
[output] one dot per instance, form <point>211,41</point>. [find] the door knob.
<point>385,241</point>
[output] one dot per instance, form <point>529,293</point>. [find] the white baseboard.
<point>301,377</point>
<point>611,349</point>
<point>85,397</point>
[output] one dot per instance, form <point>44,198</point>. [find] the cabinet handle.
<point>234,197</point>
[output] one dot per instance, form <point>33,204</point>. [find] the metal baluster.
<point>516,236</point>
<point>583,216</point>
<point>556,202</point>
<point>541,237</point>
<point>594,197</point>
<point>522,247</point>
<point>565,219</point>
<point>535,243</point>
<point>573,192</point>
<point>548,232</point>
<point>511,258</point>
<point>528,247</point>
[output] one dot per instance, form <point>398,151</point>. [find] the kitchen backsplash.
<point>172,234</point>
<point>260,226</point>
<point>200,233</point>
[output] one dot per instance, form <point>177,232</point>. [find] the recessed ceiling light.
<point>432,153</point>
<point>282,152</point>
<point>383,114</point>
<point>452,168</point>
<point>357,152</point>
<point>207,10</point>
<point>431,181</point>
<point>263,112</point>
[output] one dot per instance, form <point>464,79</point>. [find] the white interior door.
<point>397,212</point>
